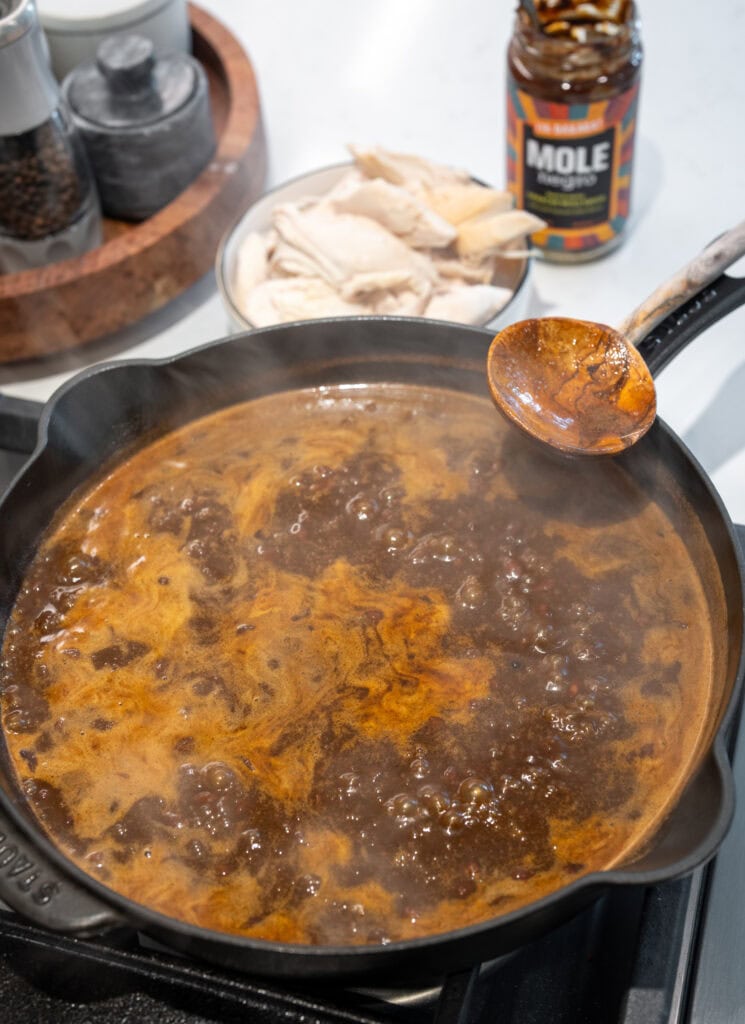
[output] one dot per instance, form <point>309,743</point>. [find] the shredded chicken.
<point>461,202</point>
<point>400,212</point>
<point>485,236</point>
<point>282,300</point>
<point>397,234</point>
<point>343,246</point>
<point>404,168</point>
<point>468,303</point>
<point>251,266</point>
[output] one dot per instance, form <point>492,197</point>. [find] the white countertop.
<point>427,76</point>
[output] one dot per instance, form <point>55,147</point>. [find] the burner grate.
<point>605,965</point>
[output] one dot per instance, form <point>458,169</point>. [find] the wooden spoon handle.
<point>701,271</point>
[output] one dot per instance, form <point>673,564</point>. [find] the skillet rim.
<point>345,961</point>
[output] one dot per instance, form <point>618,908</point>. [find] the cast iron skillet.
<point>108,409</point>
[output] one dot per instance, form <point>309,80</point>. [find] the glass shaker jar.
<point>573,73</point>
<point>49,208</point>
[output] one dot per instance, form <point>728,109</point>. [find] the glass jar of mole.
<point>573,73</point>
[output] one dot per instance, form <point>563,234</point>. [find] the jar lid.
<point>127,87</point>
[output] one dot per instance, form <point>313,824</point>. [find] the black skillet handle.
<point>19,424</point>
<point>36,889</point>
<point>713,302</point>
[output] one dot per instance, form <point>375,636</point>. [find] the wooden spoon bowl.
<point>583,387</point>
<point>573,384</point>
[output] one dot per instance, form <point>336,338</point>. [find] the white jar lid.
<point>95,15</point>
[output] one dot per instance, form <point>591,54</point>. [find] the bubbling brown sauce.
<point>354,665</point>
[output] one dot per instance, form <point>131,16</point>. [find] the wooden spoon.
<point>582,387</point>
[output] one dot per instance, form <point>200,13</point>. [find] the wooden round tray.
<point>141,267</point>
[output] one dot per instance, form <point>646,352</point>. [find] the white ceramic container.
<point>316,183</point>
<point>75,30</point>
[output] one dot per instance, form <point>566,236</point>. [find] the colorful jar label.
<point>570,164</point>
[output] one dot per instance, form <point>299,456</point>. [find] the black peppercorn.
<point>42,181</point>
<point>48,204</point>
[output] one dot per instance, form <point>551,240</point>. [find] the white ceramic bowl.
<point>514,273</point>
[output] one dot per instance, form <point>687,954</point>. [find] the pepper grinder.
<point>146,123</point>
<point>49,208</point>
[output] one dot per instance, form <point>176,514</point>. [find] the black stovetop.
<point>664,955</point>
<point>627,959</point>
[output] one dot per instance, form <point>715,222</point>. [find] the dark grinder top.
<point>128,87</point>
<point>146,122</point>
